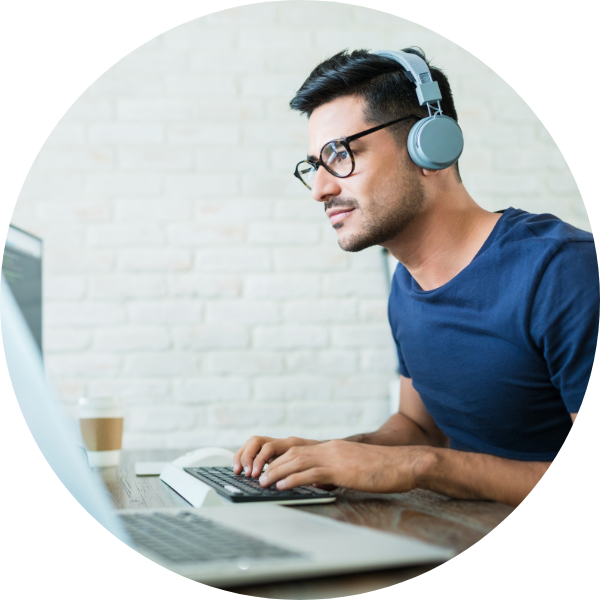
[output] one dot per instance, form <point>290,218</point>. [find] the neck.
<point>444,238</point>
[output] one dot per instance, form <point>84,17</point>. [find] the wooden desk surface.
<point>424,515</point>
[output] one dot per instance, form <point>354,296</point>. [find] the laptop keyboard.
<point>185,537</point>
<point>239,488</point>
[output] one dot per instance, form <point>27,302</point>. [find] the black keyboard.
<point>239,488</point>
<point>185,537</point>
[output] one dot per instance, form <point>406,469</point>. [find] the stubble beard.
<point>382,224</point>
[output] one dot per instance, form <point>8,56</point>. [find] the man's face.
<point>383,194</point>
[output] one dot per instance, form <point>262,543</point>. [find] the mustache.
<point>340,203</point>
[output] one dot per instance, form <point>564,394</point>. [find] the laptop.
<point>218,545</point>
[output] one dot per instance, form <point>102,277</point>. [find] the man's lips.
<point>338,214</point>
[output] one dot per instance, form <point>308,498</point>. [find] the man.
<point>495,315</point>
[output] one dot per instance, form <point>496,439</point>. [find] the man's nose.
<point>325,186</point>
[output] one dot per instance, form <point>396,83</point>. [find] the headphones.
<point>435,142</point>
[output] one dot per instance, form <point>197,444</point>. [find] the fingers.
<point>298,466</point>
<point>243,459</point>
<point>266,454</point>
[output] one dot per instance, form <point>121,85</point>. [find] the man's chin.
<point>354,243</point>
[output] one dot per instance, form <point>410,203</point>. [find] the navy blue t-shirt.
<point>502,353</point>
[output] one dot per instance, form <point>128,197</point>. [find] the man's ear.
<point>429,172</point>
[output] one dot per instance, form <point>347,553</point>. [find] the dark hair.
<point>380,81</point>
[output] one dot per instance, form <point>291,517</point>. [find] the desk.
<point>424,515</point>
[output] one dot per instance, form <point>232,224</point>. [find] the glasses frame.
<point>345,142</point>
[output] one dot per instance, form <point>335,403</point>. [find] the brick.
<point>562,184</point>
<point>205,286</point>
<point>374,310</point>
<point>205,134</point>
<point>89,110</point>
<point>359,336</point>
<point>63,185</point>
<point>64,288</point>
<point>319,311</point>
<point>310,259</point>
<point>132,234</point>
<point>379,361</point>
<point>79,261</point>
<point>154,259</point>
<point>242,363</point>
<point>190,35</point>
<point>159,60</point>
<point>164,312</point>
<point>198,186</point>
<point>66,134</point>
<point>240,259</point>
<point>227,110</point>
<point>232,159</point>
<point>211,389</point>
<point>290,337</point>
<point>131,391</point>
<point>235,415</point>
<point>369,259</point>
<point>242,311</point>
<point>329,42</point>
<point>300,210</point>
<point>207,337</point>
<point>527,160</point>
<point>269,134</point>
<point>280,286</point>
<point>112,84</point>
<point>267,85</point>
<point>73,212</point>
<point>292,387</point>
<point>242,16</point>
<point>98,313</point>
<point>497,134</point>
<point>326,362</point>
<point>226,209</point>
<point>115,184</point>
<point>271,185</point>
<point>315,414</point>
<point>165,159</point>
<point>65,159</point>
<point>125,133</point>
<point>228,60</point>
<point>161,419</point>
<point>502,184</point>
<point>154,109</point>
<point>127,338</point>
<point>208,85</point>
<point>365,386</point>
<point>280,233</point>
<point>123,287</point>
<point>69,340</point>
<point>195,234</point>
<point>83,365</point>
<point>166,364</point>
<point>275,39</point>
<point>70,390</point>
<point>355,284</point>
<point>152,210</point>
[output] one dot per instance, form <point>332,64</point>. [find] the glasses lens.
<point>336,158</point>
<point>307,173</point>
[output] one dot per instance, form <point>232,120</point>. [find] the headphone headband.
<point>418,71</point>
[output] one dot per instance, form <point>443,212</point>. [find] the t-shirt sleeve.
<point>393,312</point>
<point>564,319</point>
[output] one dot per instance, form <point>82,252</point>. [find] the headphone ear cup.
<point>435,143</point>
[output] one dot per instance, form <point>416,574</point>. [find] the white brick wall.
<point>187,272</point>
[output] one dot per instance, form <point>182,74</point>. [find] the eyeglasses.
<point>336,156</point>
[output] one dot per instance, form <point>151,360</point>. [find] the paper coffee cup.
<point>101,423</point>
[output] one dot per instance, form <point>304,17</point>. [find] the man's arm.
<point>409,451</point>
<point>412,425</point>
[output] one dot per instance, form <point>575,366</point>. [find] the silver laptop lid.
<point>44,416</point>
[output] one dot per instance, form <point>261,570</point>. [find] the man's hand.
<point>345,464</point>
<point>257,451</point>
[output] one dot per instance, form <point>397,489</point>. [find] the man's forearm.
<point>476,476</point>
<point>398,430</point>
